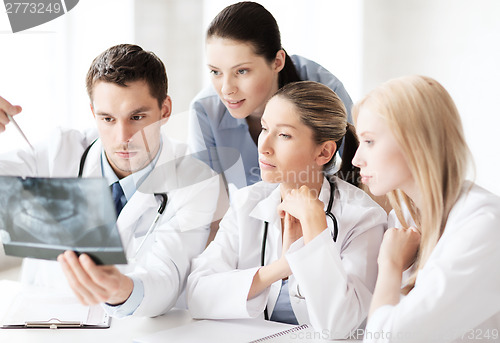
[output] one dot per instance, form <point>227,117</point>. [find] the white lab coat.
<point>456,297</point>
<point>332,282</point>
<point>164,261</point>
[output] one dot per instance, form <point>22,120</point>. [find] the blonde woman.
<point>412,147</point>
<point>277,254</point>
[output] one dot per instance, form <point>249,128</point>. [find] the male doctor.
<point>127,87</point>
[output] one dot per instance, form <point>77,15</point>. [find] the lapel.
<point>324,194</point>
<point>92,166</point>
<point>134,209</point>
<point>266,211</point>
<point>162,179</point>
<point>143,200</point>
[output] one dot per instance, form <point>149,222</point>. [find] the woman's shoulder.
<point>475,199</point>
<point>312,71</point>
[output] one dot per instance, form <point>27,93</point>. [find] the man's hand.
<point>6,107</point>
<point>93,284</point>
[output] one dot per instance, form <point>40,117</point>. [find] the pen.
<point>20,131</point>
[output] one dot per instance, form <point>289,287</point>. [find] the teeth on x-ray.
<point>42,217</point>
<point>25,15</point>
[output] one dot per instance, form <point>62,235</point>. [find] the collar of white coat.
<point>92,166</point>
<point>141,200</point>
<point>162,179</point>
<point>267,209</point>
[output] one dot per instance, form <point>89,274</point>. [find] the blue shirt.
<point>129,185</point>
<point>283,311</point>
<point>224,142</point>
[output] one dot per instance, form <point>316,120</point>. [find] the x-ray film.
<point>43,217</point>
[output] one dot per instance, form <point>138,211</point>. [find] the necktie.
<point>118,197</point>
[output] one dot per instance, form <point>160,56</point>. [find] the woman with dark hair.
<point>298,247</point>
<point>247,65</point>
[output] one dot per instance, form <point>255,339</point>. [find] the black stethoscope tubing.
<point>328,213</point>
<point>164,196</point>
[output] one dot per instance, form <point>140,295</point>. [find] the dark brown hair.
<point>249,22</point>
<point>126,63</point>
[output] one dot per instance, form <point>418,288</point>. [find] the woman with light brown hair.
<point>439,278</point>
<point>298,247</point>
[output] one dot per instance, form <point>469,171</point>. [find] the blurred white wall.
<point>457,42</point>
<point>363,42</point>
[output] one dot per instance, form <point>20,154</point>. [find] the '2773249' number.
<point>32,7</point>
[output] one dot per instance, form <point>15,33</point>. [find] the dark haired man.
<point>127,87</point>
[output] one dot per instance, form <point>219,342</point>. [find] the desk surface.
<point>121,329</point>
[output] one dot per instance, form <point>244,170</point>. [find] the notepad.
<point>235,330</point>
<point>34,307</point>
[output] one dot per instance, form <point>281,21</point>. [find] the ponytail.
<point>289,73</point>
<point>348,172</point>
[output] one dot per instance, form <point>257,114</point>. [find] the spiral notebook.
<point>235,330</point>
<point>285,335</point>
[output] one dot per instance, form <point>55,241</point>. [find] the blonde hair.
<point>426,124</point>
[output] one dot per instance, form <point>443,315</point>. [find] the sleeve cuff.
<point>378,325</point>
<point>257,305</point>
<point>130,305</point>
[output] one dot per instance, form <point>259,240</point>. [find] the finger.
<point>78,286</point>
<point>78,290</point>
<point>8,107</point>
<point>414,229</point>
<point>103,276</point>
<point>71,279</point>
<point>94,278</point>
<point>288,221</point>
<point>12,110</point>
<point>3,118</point>
<point>280,210</point>
<point>91,291</point>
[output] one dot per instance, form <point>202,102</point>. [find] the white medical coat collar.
<point>143,198</point>
<point>131,182</point>
<point>267,209</point>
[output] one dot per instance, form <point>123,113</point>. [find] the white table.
<point>121,330</point>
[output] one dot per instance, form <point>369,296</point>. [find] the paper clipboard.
<point>36,308</point>
<point>54,323</point>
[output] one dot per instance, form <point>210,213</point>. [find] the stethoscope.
<point>334,234</point>
<point>161,208</point>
